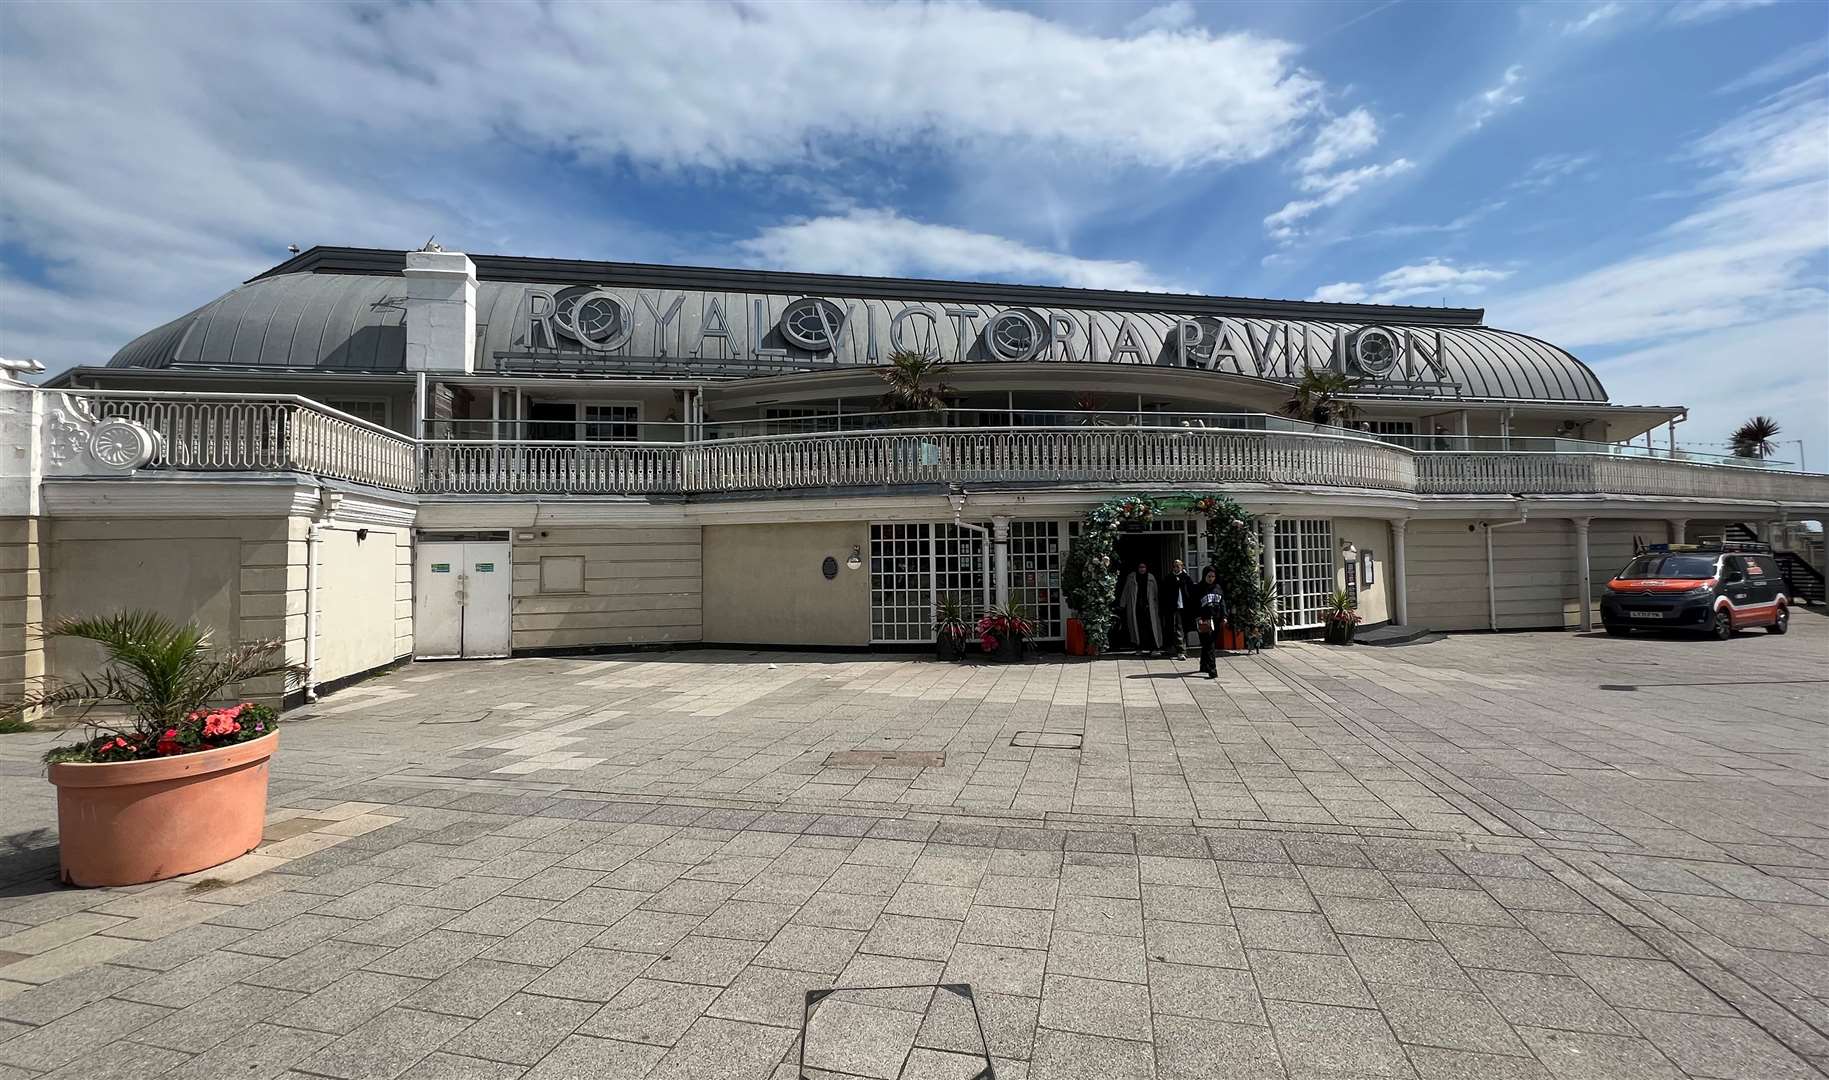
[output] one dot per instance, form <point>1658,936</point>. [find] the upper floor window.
<point>373,410</point>
<point>612,423</point>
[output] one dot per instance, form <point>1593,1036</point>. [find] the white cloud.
<point>1549,169</point>
<point>1726,375</point>
<point>1490,103</point>
<point>136,189</point>
<point>1695,11</point>
<point>883,243</point>
<point>1341,138</point>
<point>1595,17</point>
<point>1734,287</point>
<point>1175,15</point>
<point>1435,278</point>
<point>1810,54</point>
<point>1332,189</point>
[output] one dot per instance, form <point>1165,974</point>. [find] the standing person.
<point>1138,601</point>
<point>1178,609</point>
<point>1212,615</point>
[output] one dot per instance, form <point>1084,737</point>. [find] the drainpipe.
<point>314,533</point>
<point>957,498</point>
<point>1492,591</point>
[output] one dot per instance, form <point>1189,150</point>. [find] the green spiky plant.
<point>164,676</point>
<point>914,384</point>
<point>1753,439</point>
<point>1320,397</point>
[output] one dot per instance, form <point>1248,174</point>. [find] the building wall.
<point>363,586</point>
<point>1533,571</point>
<point>1366,534</point>
<point>764,585</point>
<point>1610,544</point>
<point>21,605</point>
<point>240,577</point>
<point>640,584</point>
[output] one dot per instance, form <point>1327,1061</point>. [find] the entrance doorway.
<point>462,602</point>
<point>1154,549</point>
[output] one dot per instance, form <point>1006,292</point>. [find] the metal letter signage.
<point>744,333</point>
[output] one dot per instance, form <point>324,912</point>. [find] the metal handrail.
<point>217,432</point>
<point>208,432</point>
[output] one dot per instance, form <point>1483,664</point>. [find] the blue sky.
<point>1646,184</point>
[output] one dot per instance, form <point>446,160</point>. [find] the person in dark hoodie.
<point>1180,592</point>
<point>1211,611</point>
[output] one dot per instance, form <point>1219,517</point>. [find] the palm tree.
<point>1320,398</point>
<point>908,375</point>
<point>158,670</point>
<point>1754,438</point>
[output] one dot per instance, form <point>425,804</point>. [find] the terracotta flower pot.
<point>127,822</point>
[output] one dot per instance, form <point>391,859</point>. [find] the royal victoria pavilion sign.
<point>604,328</point>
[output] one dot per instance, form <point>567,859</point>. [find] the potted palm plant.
<point>1753,439</point>
<point>1342,617</point>
<point>1003,630</point>
<point>1322,397</point>
<point>175,782</point>
<point>951,623</point>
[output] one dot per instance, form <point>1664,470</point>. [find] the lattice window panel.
<point>959,566</point>
<point>1305,570</point>
<point>901,583</point>
<point>1036,555</point>
<point>911,567</point>
<point>612,423</point>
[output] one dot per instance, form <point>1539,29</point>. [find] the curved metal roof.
<point>348,323</point>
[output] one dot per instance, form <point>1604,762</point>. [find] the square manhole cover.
<point>1046,740</point>
<point>908,759</point>
<point>851,1032</point>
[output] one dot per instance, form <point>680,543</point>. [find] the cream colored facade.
<point>583,587</point>
<point>766,584</point>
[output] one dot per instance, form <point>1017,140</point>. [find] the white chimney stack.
<point>440,311</point>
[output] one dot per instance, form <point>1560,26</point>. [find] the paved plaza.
<point>1482,858</point>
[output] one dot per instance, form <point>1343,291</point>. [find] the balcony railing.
<point>1497,472</point>
<point>240,433</point>
<point>258,433</point>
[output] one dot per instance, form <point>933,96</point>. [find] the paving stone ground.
<point>1524,855</point>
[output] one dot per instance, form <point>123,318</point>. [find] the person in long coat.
<point>1212,617</point>
<point>1137,599</point>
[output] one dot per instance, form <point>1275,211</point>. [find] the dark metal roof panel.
<point>356,322</point>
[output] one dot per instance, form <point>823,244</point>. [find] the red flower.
<point>168,743</point>
<point>221,723</point>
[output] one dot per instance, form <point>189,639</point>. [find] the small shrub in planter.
<point>1003,630</point>
<point>1342,618</point>
<point>951,623</point>
<point>176,784</point>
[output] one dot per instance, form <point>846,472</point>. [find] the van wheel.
<point>1781,622</point>
<point>1723,626</point>
<point>1618,631</point>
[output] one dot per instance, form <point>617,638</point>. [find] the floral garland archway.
<point>1090,581</point>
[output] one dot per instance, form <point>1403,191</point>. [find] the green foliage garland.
<point>1090,579</point>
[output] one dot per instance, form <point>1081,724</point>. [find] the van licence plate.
<point>1646,614</point>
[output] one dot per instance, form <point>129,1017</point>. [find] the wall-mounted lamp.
<point>857,558</point>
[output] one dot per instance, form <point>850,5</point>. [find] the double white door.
<point>462,602</point>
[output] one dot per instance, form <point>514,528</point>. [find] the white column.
<point>1267,536</point>
<point>1676,529</point>
<point>1400,596</point>
<point>1584,572</point>
<point>440,311</point>
<point>1000,558</point>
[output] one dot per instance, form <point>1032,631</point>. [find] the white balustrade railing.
<point>1500,473</point>
<point>900,458</point>
<point>261,433</point>
<point>241,433</point>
